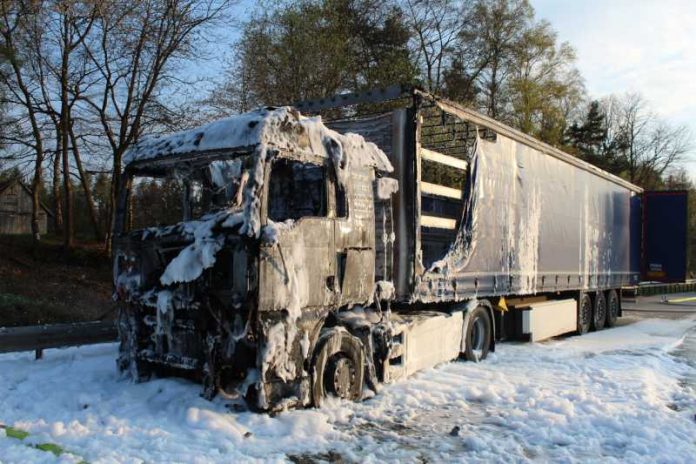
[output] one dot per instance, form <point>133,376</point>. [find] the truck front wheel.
<point>339,368</point>
<point>478,335</point>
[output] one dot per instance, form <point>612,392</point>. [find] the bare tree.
<point>135,48</point>
<point>652,145</point>
<point>436,25</point>
<point>75,22</point>
<point>647,146</point>
<point>13,17</point>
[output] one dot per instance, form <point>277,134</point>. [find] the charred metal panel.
<point>295,271</point>
<point>394,133</point>
<point>377,129</point>
<point>403,160</point>
<point>533,223</point>
<point>355,240</point>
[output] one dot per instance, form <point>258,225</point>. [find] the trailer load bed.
<point>484,210</point>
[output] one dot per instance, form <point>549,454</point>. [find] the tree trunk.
<point>86,187</point>
<point>113,200</point>
<point>68,224</point>
<point>57,197</point>
<point>68,221</point>
<point>36,196</point>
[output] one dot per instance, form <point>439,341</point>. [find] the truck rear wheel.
<point>584,314</point>
<point>599,315</point>
<point>612,307</point>
<point>339,368</point>
<point>478,335</point>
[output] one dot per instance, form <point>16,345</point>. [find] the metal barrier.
<point>658,289</point>
<point>39,337</point>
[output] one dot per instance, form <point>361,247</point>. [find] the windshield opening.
<point>186,192</point>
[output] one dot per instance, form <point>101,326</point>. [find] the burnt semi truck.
<point>300,259</point>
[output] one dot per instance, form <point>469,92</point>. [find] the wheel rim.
<point>478,336</point>
<point>340,377</point>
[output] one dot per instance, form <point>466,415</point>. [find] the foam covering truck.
<point>303,259</point>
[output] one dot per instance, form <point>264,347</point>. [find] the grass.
<point>19,434</point>
<point>22,310</point>
<point>41,283</point>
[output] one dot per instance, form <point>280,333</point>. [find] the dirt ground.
<point>42,284</point>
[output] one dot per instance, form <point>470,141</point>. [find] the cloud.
<point>633,46</point>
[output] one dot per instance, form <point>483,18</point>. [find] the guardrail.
<point>658,289</point>
<point>39,337</point>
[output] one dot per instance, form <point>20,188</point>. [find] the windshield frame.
<point>162,167</point>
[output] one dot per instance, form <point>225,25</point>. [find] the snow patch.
<point>608,396</point>
<point>190,263</point>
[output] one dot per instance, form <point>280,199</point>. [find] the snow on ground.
<point>622,395</point>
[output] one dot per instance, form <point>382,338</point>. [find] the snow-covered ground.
<point>627,394</point>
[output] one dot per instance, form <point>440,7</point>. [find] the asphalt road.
<point>673,306</point>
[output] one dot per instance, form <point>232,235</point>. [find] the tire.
<point>478,335</point>
<point>584,314</point>
<point>338,368</point>
<point>613,308</point>
<point>599,312</point>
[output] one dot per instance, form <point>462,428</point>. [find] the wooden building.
<point>15,209</point>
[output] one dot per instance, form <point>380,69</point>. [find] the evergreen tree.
<point>590,140</point>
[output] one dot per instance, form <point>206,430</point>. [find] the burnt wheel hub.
<point>340,377</point>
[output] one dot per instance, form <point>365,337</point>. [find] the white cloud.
<point>633,46</point>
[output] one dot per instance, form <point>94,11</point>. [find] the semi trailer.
<point>297,259</point>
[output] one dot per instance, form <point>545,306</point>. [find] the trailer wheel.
<point>584,314</point>
<point>599,314</point>
<point>612,308</point>
<point>478,335</point>
<point>339,368</point>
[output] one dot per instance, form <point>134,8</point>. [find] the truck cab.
<point>238,243</point>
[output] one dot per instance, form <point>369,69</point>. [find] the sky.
<point>645,46</point>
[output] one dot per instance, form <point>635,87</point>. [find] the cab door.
<point>297,264</point>
<point>355,237</point>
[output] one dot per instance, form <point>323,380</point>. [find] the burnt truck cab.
<point>236,246</point>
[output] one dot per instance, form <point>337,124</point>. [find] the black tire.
<point>478,335</point>
<point>584,314</point>
<point>599,312</point>
<point>338,368</point>
<point>613,308</point>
